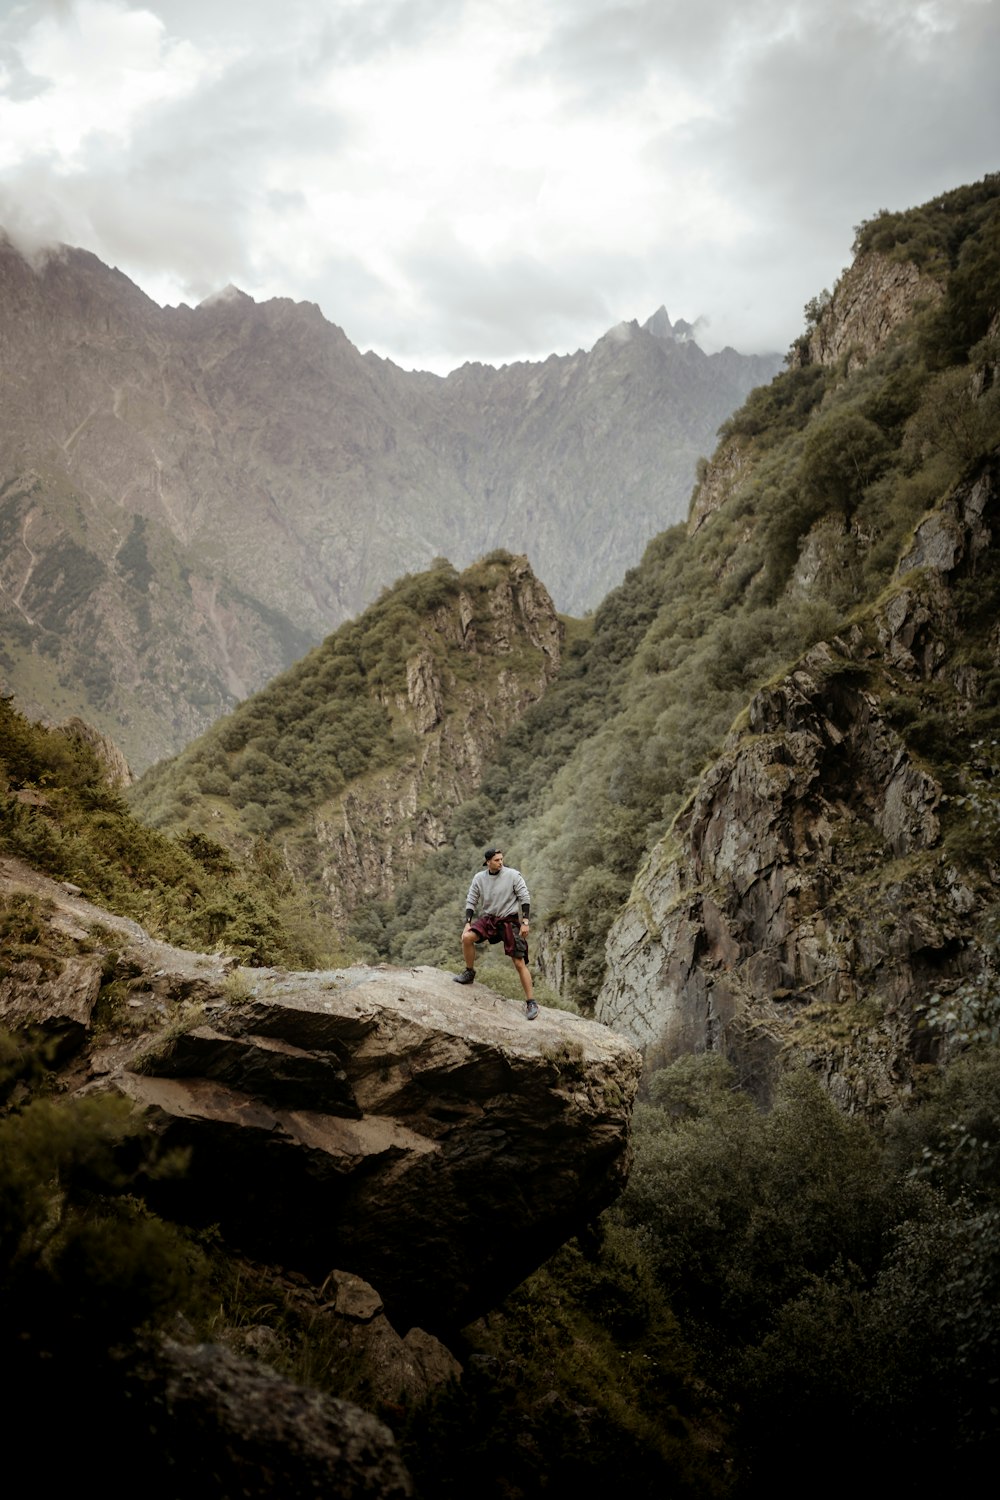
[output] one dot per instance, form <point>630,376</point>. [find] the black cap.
<point>490,853</point>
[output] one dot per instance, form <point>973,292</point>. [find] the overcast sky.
<point>491,179</point>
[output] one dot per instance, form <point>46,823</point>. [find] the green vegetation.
<point>803,1254</point>
<point>767,1283</point>
<point>934,235</point>
<point>85,1269</point>
<point>773,1284</point>
<point>59,815</point>
<point>331,719</point>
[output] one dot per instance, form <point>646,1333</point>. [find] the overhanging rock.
<point>387,1122</point>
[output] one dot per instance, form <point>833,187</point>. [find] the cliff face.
<point>189,498</point>
<point>872,298</point>
<point>824,881</point>
<point>807,901</point>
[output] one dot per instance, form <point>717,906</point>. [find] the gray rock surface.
<point>425,1137</point>
<point>873,296</point>
<point>384,1123</point>
<point>57,997</point>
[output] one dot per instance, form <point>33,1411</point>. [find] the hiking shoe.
<point>531,1010</point>
<point>466,976</point>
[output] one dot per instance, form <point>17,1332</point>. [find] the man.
<point>496,893</point>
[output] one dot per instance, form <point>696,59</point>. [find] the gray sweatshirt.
<point>497,895</point>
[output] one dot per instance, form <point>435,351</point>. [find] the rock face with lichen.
<point>805,901</point>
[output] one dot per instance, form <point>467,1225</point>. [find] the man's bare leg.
<point>524,975</point>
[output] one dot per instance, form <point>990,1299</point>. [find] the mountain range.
<point>191,497</point>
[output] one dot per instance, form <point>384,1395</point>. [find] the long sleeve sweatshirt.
<point>497,895</point>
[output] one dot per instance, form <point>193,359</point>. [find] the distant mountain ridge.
<point>190,497</point>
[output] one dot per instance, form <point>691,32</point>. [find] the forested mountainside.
<point>63,814</point>
<point>352,761</point>
<point>190,498</point>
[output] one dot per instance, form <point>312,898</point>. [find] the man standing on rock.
<point>496,893</point>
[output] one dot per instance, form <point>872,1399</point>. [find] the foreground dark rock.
<point>224,1426</point>
<point>424,1137</point>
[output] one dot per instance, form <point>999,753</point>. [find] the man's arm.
<point>473,898</point>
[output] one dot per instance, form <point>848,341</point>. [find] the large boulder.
<point>384,1121</point>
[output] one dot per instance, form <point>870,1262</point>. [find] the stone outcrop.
<point>873,297</point>
<point>426,1137</point>
<point>117,772</point>
<point>731,461</point>
<point>223,1425</point>
<point>384,1123</point>
<point>57,996</point>
<point>803,899</point>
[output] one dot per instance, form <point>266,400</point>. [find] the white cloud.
<point>98,68</point>
<point>490,179</point>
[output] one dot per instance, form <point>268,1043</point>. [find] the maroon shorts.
<point>506,930</point>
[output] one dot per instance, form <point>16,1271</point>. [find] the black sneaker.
<point>466,976</point>
<point>531,1010</point>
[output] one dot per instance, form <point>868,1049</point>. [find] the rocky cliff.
<point>807,901</point>
<point>821,886</point>
<point>874,297</point>
<point>191,497</point>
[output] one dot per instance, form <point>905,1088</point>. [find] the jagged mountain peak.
<point>229,293</point>
<point>681,332</point>
<point>659,324</point>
